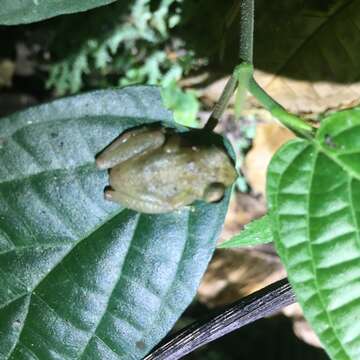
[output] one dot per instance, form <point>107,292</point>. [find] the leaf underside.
<point>80,277</point>
<point>314,199</point>
<point>14,12</point>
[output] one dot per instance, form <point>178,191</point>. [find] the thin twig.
<point>264,302</point>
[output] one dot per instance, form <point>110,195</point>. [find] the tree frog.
<point>153,169</point>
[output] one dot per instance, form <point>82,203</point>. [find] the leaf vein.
<point>314,270</point>
<point>94,332</point>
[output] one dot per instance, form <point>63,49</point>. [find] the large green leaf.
<point>314,198</point>
<point>80,277</point>
<point>24,11</point>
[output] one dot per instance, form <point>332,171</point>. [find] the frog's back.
<point>166,181</point>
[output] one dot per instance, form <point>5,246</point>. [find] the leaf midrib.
<point>353,212</point>
<point>317,149</point>
<point>93,333</point>
<point>60,170</point>
<point>313,265</point>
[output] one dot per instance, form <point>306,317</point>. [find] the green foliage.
<point>184,105</point>
<point>314,198</point>
<point>81,277</point>
<point>254,233</point>
<point>24,11</point>
<point>135,47</point>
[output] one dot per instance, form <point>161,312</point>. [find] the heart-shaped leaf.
<point>314,198</point>
<point>80,277</point>
<point>14,12</point>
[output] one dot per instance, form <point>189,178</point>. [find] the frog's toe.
<point>214,192</point>
<point>109,194</point>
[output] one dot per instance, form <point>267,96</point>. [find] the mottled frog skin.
<point>153,169</point>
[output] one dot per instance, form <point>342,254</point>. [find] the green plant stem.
<point>243,73</point>
<point>246,57</point>
<point>242,79</point>
<point>246,31</point>
<point>291,121</point>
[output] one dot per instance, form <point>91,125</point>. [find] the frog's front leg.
<point>131,143</point>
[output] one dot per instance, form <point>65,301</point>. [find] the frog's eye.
<point>214,192</point>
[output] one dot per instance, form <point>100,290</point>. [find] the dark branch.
<point>264,302</point>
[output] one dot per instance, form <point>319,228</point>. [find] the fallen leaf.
<point>297,96</point>
<point>305,97</point>
<point>301,327</point>
<point>268,138</point>
<point>233,274</point>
